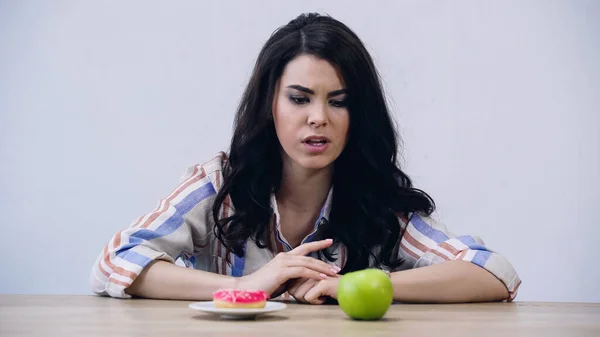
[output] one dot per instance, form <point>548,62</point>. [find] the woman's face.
<point>309,112</point>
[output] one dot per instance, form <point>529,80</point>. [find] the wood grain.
<point>29,315</point>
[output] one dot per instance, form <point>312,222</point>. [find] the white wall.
<point>104,104</point>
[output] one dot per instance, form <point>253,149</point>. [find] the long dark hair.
<point>370,191</point>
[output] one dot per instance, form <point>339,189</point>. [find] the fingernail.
<point>334,270</point>
<point>322,275</point>
<point>329,240</point>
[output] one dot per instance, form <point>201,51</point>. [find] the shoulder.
<point>215,164</point>
<point>421,220</point>
<point>208,171</point>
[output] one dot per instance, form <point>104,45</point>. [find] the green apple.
<point>366,294</point>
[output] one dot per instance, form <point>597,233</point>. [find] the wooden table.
<point>24,315</point>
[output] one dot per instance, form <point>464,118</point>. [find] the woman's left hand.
<point>314,291</point>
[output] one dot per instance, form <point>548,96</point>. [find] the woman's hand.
<point>291,265</point>
<point>314,291</point>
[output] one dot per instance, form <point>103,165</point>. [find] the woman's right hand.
<point>290,265</point>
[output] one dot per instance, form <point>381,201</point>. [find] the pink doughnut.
<point>233,298</point>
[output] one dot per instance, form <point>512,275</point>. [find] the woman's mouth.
<point>316,144</point>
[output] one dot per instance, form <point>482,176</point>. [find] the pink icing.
<point>240,296</point>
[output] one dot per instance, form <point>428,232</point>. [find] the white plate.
<point>209,306</point>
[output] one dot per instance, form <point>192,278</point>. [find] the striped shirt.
<point>180,230</point>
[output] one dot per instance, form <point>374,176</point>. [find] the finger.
<point>302,272</point>
<point>296,284</point>
<point>310,247</point>
<point>316,294</point>
<point>311,263</point>
<point>303,289</point>
<point>300,287</point>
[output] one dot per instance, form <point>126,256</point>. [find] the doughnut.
<point>240,299</point>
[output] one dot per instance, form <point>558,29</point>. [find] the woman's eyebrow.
<point>336,93</point>
<point>301,88</point>
<point>312,92</point>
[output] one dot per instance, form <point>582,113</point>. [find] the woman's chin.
<point>315,163</point>
<point>307,161</point>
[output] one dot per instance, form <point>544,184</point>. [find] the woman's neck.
<point>300,198</point>
<point>303,189</point>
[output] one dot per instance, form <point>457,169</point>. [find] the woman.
<point>310,190</point>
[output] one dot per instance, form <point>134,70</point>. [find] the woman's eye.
<point>337,103</point>
<point>299,100</point>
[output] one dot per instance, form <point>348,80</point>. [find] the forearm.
<point>164,280</point>
<point>448,282</point>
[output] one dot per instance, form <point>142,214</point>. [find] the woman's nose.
<point>317,116</point>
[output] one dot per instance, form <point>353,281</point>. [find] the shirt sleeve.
<point>173,229</point>
<point>426,242</point>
